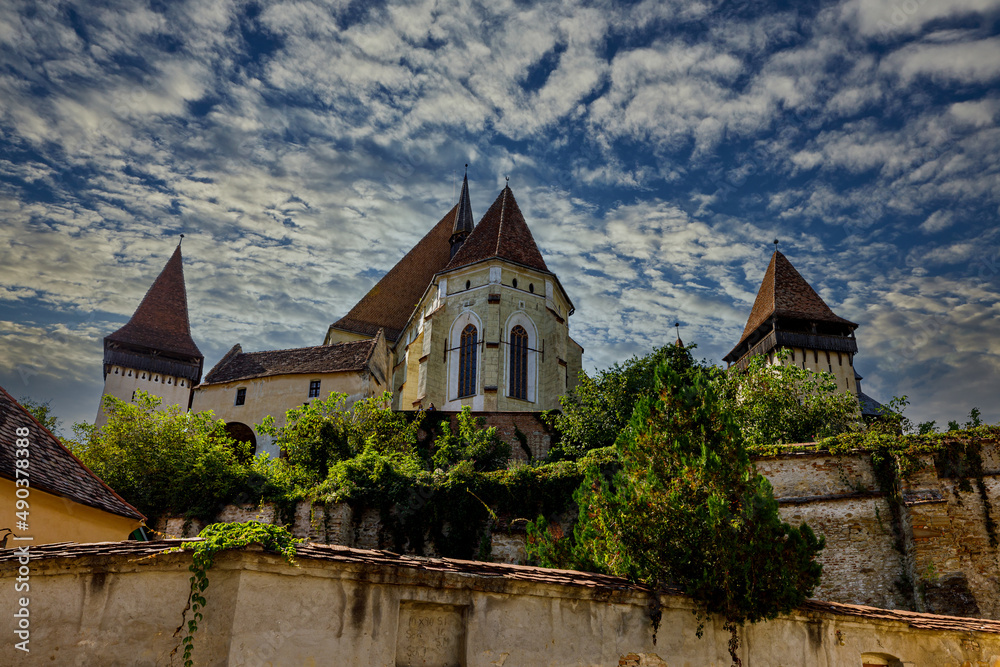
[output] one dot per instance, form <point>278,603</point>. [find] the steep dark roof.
<point>389,304</point>
<point>161,320</point>
<point>464,223</point>
<point>502,233</point>
<point>785,293</point>
<point>53,468</point>
<point>239,365</point>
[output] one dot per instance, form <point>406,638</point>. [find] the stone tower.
<point>154,351</point>
<point>789,314</point>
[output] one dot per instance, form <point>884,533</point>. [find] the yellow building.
<point>473,317</point>
<point>245,387</point>
<point>788,314</point>
<point>61,499</point>
<point>154,351</point>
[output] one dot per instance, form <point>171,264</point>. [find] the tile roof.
<point>366,557</point>
<point>502,233</point>
<point>161,320</point>
<point>389,304</point>
<point>240,365</point>
<point>53,468</point>
<point>785,293</point>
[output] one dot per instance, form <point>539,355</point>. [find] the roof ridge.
<point>503,209</point>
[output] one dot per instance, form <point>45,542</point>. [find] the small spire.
<point>775,245</point>
<point>464,222</point>
<point>677,326</point>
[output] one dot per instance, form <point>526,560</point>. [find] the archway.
<point>242,433</point>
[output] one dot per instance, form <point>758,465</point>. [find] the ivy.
<point>220,537</point>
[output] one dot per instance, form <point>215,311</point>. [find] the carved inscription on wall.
<point>430,635</point>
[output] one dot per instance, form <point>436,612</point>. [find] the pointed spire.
<point>677,326</point>
<point>464,222</point>
<point>160,323</point>
<point>501,233</point>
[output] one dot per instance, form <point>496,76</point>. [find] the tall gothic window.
<point>467,362</point>
<point>519,363</point>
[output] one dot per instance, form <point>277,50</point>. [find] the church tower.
<point>789,314</point>
<point>154,351</point>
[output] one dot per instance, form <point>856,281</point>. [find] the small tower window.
<point>467,361</point>
<point>513,283</point>
<point>468,284</point>
<point>241,396</point>
<point>170,380</point>
<point>519,363</point>
<point>314,388</point>
<point>793,353</point>
<point>531,287</point>
<point>116,370</point>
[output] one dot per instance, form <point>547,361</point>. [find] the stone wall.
<point>942,562</point>
<point>122,604</point>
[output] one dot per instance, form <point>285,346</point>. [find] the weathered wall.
<point>355,608</point>
<point>537,436</point>
<point>122,383</point>
<point>946,564</point>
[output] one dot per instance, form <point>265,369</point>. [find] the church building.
<point>154,351</point>
<point>474,317</point>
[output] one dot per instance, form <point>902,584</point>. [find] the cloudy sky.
<point>655,148</point>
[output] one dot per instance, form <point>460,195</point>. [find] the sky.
<point>655,148</point>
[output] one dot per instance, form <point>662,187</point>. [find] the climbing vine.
<point>220,537</point>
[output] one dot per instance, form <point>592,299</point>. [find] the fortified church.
<point>470,316</point>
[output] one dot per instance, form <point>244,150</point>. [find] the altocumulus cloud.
<point>656,150</point>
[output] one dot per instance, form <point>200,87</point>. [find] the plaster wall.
<point>122,383</point>
<point>116,610</point>
<point>54,519</point>
<point>840,364</point>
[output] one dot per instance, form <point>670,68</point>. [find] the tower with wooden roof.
<point>789,314</point>
<point>154,351</point>
<point>474,317</point>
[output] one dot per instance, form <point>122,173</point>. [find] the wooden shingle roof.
<point>389,304</point>
<point>785,293</point>
<point>53,468</point>
<point>239,365</point>
<point>501,234</point>
<point>161,321</point>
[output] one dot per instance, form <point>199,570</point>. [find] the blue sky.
<point>655,148</point>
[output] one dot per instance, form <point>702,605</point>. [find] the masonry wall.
<point>117,610</point>
<point>943,561</point>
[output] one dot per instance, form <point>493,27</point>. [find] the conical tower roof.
<point>160,322</point>
<point>502,234</point>
<point>785,293</point>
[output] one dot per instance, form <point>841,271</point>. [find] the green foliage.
<point>40,411</point>
<point>473,442</point>
<point>322,434</point>
<point>597,411</point>
<point>218,537</point>
<point>689,508</point>
<point>782,403</point>
<point>163,461</point>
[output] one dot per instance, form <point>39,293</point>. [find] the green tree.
<point>595,412</point>
<point>41,411</point>
<point>163,461</point>
<point>318,436</point>
<point>689,508</point>
<point>783,403</point>
<point>470,442</point>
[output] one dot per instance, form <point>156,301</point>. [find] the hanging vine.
<point>220,537</point>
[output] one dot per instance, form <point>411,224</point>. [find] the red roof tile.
<point>365,557</point>
<point>502,233</point>
<point>389,304</point>
<point>785,293</point>
<point>53,468</point>
<point>161,320</point>
<point>239,365</point>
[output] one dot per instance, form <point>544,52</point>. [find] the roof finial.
<point>508,179</point>
<point>775,245</point>
<point>181,241</point>
<point>466,168</point>
<point>677,326</point>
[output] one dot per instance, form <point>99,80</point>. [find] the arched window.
<point>519,363</point>
<point>467,362</point>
